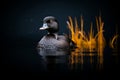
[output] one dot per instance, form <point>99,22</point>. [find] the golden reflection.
<point>78,57</point>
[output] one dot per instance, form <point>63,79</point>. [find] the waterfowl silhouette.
<point>53,41</point>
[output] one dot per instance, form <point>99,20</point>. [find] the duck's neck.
<point>55,34</point>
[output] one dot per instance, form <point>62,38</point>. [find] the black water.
<point>20,56</point>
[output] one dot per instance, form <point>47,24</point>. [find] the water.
<point>21,56</point>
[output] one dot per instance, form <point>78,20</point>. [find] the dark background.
<point>20,22</point>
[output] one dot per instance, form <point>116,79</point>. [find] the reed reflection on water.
<point>82,58</point>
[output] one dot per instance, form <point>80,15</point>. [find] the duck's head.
<point>50,24</point>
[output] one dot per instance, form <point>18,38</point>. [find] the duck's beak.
<point>44,27</point>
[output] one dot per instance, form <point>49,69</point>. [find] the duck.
<point>53,41</point>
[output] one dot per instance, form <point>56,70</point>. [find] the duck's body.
<point>52,41</point>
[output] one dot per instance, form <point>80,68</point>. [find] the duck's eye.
<point>48,21</point>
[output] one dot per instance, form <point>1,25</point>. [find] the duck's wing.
<point>72,43</point>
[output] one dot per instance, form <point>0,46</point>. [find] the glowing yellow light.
<point>84,43</point>
<point>92,44</point>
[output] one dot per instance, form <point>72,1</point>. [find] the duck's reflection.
<point>54,59</point>
<point>52,52</point>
